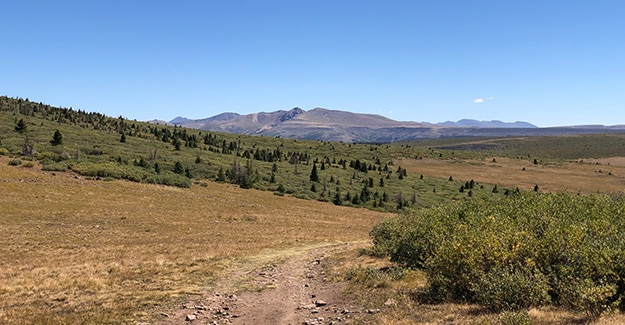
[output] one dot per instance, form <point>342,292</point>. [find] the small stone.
<point>190,318</point>
<point>165,314</point>
<point>314,311</point>
<point>320,303</point>
<point>389,302</point>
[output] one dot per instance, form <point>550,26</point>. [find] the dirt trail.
<point>294,291</point>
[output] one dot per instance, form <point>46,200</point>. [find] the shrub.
<point>28,164</point>
<point>15,162</point>
<point>55,166</point>
<point>4,152</point>
<point>169,178</point>
<point>516,252</point>
<point>110,169</point>
<point>512,289</point>
<point>47,156</point>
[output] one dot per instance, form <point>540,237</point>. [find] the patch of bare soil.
<point>294,291</point>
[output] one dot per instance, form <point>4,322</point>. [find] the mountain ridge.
<point>336,125</point>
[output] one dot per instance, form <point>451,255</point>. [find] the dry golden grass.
<point>81,251</point>
<point>583,177</point>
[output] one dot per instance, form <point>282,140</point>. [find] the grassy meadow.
<point>89,238</point>
<point>84,251</point>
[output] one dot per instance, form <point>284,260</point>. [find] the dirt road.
<point>291,291</point>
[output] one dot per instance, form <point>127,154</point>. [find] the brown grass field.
<point>74,250</point>
<point>584,176</point>
<point>82,251</point>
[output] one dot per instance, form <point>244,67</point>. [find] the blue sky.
<point>546,62</point>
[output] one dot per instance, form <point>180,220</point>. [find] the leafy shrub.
<point>55,166</point>
<point>28,164</point>
<point>47,156</point>
<point>110,169</point>
<point>512,289</point>
<point>4,152</point>
<point>516,252</point>
<point>169,178</point>
<point>15,162</point>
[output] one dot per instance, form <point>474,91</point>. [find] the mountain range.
<point>335,125</point>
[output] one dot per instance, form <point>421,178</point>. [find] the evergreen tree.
<point>178,168</point>
<point>337,198</point>
<point>21,126</point>
<point>221,175</point>
<point>57,138</point>
<point>177,143</point>
<point>123,138</point>
<point>314,176</point>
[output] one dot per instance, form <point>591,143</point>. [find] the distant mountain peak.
<point>291,114</point>
<point>488,124</point>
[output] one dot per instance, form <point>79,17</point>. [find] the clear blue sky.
<point>547,62</point>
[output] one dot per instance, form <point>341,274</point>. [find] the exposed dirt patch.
<point>295,291</point>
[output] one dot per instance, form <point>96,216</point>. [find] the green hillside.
<point>364,175</point>
<point>101,147</point>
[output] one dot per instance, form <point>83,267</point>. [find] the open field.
<point>584,176</point>
<point>81,251</point>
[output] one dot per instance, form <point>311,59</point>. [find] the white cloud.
<point>481,100</point>
<point>390,111</point>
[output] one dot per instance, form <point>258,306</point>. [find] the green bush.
<point>169,178</point>
<point>55,166</point>
<point>110,169</point>
<point>15,162</point>
<point>4,152</point>
<point>512,289</point>
<point>47,156</point>
<point>515,252</point>
<point>28,164</point>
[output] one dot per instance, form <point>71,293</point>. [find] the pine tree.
<point>21,126</point>
<point>57,138</point>
<point>178,168</point>
<point>314,176</point>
